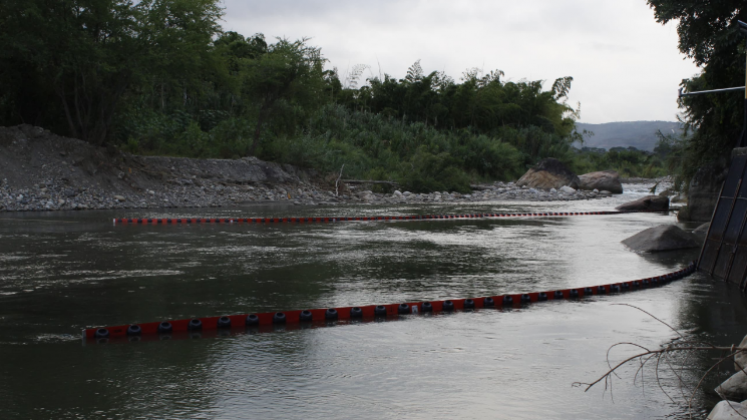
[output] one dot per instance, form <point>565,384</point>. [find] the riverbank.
<point>40,171</point>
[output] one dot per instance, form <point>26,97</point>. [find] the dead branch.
<point>337,191</point>
<point>677,345</point>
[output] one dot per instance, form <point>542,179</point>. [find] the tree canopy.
<point>708,34</point>
<point>162,77</point>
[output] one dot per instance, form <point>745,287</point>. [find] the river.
<point>62,272</point>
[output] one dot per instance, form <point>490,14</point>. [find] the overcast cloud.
<point>625,65</point>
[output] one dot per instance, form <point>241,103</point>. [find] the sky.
<point>625,65</point>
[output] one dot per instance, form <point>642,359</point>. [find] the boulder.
<point>661,238</point>
<point>647,203</point>
<point>603,180</point>
<point>740,359</point>
<point>567,190</point>
<point>703,193</point>
<point>727,410</point>
<point>702,230</point>
<point>735,387</point>
<point>549,173</point>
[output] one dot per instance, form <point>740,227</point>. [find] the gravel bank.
<point>40,171</point>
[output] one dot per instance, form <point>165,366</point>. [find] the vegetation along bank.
<point>163,79</point>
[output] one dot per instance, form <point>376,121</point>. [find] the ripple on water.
<point>518,363</point>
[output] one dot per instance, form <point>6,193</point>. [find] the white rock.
<point>567,190</point>
<point>397,193</point>
<point>119,198</point>
<point>739,358</point>
<point>734,387</point>
<point>553,191</point>
<point>728,410</point>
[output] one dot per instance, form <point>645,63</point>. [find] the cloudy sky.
<point>625,65</point>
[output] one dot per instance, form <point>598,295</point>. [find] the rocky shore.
<point>40,171</point>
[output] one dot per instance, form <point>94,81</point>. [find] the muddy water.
<point>61,272</point>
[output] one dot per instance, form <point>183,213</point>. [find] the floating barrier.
<point>212,325</point>
<point>300,220</point>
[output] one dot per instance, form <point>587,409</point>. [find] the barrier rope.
<point>165,329</point>
<point>279,220</point>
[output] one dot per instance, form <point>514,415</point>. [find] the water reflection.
<point>63,272</point>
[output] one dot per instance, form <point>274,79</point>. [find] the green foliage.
<point>708,33</point>
<point>72,63</point>
<point>375,146</point>
<point>160,77</point>
<point>289,73</point>
<point>628,162</point>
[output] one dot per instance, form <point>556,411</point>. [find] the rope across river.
<point>325,316</point>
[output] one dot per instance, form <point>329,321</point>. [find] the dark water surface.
<point>60,273</point>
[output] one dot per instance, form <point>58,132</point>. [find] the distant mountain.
<point>638,134</point>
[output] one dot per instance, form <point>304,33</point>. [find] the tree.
<point>86,56</point>
<point>289,72</point>
<point>708,34</point>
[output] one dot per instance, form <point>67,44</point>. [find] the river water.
<point>62,272</point>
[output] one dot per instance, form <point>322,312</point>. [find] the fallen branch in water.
<point>662,355</point>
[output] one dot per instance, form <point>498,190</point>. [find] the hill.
<point>638,134</point>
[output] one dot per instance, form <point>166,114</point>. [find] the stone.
<point>703,193</point>
<point>661,238</point>
<point>567,190</point>
<point>602,180</point>
<point>734,387</point>
<point>647,203</point>
<point>727,410</point>
<point>549,173</point>
<point>702,230</point>
<point>119,198</point>
<point>741,358</point>
<point>397,193</point>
